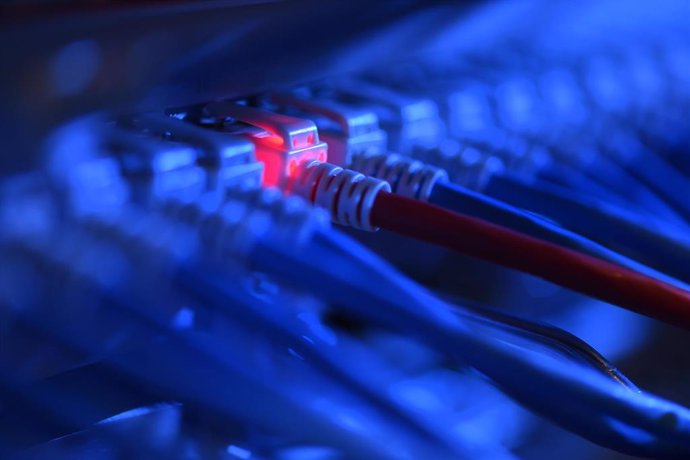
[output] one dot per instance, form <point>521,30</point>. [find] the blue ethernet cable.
<point>367,260</point>
<point>276,323</point>
<point>639,424</point>
<point>465,201</point>
<point>253,198</point>
<point>604,179</point>
<point>36,412</point>
<point>224,361</point>
<point>574,179</point>
<point>563,394</point>
<point>582,169</point>
<point>416,318</point>
<point>120,305</point>
<point>657,244</point>
<point>259,201</point>
<point>643,185</point>
<point>215,292</point>
<point>655,172</point>
<point>609,179</point>
<point>399,172</point>
<point>432,430</point>
<point>556,339</point>
<point>638,167</point>
<point>585,169</point>
<point>416,180</point>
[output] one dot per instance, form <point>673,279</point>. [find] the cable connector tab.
<point>348,195</point>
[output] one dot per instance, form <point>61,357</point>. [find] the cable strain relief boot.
<point>347,195</point>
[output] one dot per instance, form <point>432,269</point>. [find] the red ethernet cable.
<point>573,270</point>
<point>364,202</point>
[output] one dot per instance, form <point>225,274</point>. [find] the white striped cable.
<point>347,195</point>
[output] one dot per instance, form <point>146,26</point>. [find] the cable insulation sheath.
<point>567,268</point>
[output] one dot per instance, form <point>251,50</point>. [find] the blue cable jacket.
<point>465,201</point>
<point>596,187</point>
<point>654,243</point>
<point>216,291</point>
<point>572,178</point>
<point>619,180</point>
<point>662,177</point>
<point>570,395</point>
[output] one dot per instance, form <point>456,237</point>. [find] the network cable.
<point>453,97</point>
<point>293,161</point>
<point>618,183</point>
<point>353,144</point>
<point>184,260</point>
<point>223,358</point>
<point>551,336</point>
<point>189,277</point>
<point>399,309</point>
<point>174,128</point>
<point>579,272</point>
<point>655,243</point>
<point>350,216</point>
<point>613,179</point>
<point>556,339</point>
<point>652,170</point>
<point>455,198</point>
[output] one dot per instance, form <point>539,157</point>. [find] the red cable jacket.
<point>579,272</point>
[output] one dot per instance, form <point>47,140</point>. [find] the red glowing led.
<point>292,167</point>
<point>273,165</point>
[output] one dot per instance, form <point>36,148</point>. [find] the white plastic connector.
<point>348,195</point>
<point>245,217</point>
<point>406,176</point>
<point>282,142</point>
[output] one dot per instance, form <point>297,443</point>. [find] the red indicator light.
<point>292,167</point>
<point>322,156</point>
<point>273,165</point>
